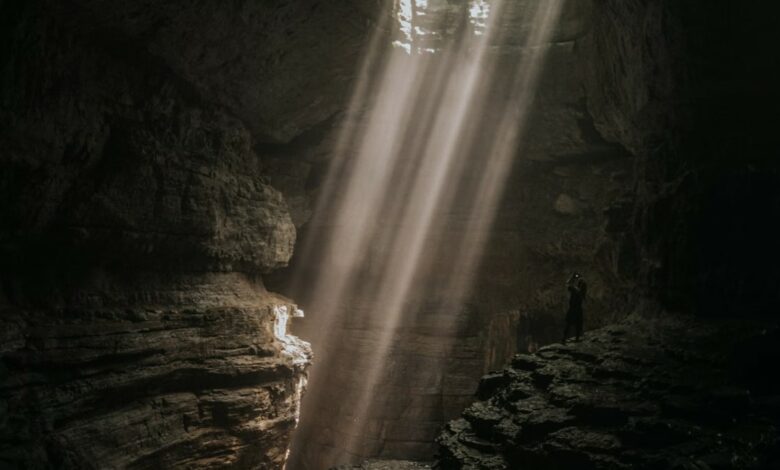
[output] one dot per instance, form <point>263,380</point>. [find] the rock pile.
<point>646,393</point>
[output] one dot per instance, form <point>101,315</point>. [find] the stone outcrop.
<point>665,392</point>
<point>136,225</point>
<point>679,86</point>
<point>200,376</point>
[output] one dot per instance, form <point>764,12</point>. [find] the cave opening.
<point>424,26</point>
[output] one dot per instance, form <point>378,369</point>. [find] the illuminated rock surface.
<point>136,224</point>
<point>199,383</point>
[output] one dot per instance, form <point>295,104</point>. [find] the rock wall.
<point>666,392</point>
<point>160,373</point>
<point>137,224</point>
<point>681,87</point>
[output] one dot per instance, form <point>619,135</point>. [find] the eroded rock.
<point>150,385</point>
<point>647,393</point>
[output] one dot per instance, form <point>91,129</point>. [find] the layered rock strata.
<point>200,383</point>
<point>136,224</point>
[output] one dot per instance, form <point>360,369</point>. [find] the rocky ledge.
<point>649,393</point>
<point>211,380</point>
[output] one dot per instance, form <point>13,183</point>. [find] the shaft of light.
<point>393,173</point>
<point>437,161</point>
<point>513,124</point>
<point>341,151</point>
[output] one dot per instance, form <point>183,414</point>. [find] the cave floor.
<point>386,465</point>
<point>650,392</point>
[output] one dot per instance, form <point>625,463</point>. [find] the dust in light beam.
<point>416,115</point>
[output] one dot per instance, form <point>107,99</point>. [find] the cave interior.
<point>337,234</point>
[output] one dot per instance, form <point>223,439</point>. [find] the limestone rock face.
<point>280,67</point>
<point>135,225</point>
<point>647,393</point>
<point>152,195</point>
<point>194,376</point>
<point>123,162</point>
<point>633,75</point>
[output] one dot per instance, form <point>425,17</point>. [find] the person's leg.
<point>566,330</point>
<point>579,326</point>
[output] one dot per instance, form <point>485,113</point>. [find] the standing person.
<point>577,290</point>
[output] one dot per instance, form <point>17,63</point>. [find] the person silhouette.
<point>577,290</point>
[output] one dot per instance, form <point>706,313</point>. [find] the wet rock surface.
<point>646,393</point>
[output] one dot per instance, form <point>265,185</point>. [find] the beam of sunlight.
<point>415,131</point>
<point>345,141</point>
<point>483,205</point>
<point>416,221</point>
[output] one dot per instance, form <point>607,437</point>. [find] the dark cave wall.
<point>652,391</point>
<point>686,87</point>
<point>137,224</point>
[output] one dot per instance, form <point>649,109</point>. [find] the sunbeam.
<point>417,114</point>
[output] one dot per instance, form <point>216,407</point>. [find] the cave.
<point>342,234</point>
